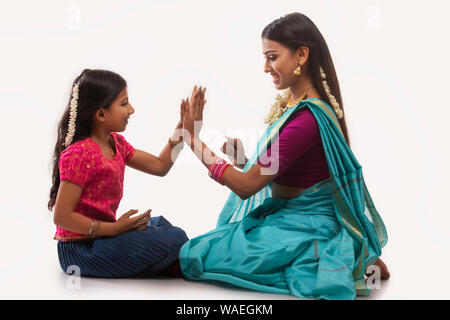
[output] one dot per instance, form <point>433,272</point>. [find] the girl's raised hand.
<point>182,111</point>
<point>178,134</point>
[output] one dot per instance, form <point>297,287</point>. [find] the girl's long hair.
<point>97,89</point>
<point>296,30</point>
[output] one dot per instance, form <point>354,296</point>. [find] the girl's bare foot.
<point>384,273</point>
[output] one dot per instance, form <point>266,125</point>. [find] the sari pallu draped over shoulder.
<point>316,245</point>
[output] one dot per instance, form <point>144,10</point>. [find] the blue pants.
<point>132,253</point>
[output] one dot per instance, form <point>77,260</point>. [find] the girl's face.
<point>117,114</point>
<point>280,63</point>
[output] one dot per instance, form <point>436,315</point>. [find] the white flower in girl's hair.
<point>73,116</point>
<point>75,91</point>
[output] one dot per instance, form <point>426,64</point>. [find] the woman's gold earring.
<point>298,70</point>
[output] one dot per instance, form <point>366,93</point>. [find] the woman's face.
<point>280,63</point>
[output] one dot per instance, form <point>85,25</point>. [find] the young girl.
<point>88,172</point>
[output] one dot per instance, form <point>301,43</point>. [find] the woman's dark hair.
<point>296,30</point>
<point>97,89</point>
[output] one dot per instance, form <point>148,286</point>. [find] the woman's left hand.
<point>193,112</point>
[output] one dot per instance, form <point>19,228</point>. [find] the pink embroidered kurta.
<point>100,178</point>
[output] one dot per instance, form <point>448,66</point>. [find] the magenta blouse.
<point>299,152</point>
<point>100,178</point>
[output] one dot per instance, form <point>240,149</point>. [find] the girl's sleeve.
<point>296,138</point>
<point>75,165</point>
<point>126,148</point>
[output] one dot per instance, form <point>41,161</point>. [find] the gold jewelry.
<point>282,104</point>
<point>293,103</point>
<point>96,229</point>
<point>91,229</point>
<point>298,70</point>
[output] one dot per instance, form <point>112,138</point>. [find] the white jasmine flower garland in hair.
<point>73,116</point>
<point>333,101</point>
<point>278,108</point>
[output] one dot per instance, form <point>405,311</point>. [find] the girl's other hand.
<point>126,224</point>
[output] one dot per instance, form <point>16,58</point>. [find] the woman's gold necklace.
<point>293,103</point>
<point>282,104</point>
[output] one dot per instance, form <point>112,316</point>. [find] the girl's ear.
<point>100,115</point>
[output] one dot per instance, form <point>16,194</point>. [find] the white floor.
<point>54,284</point>
<point>29,269</point>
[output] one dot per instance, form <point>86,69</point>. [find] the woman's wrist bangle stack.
<point>217,169</point>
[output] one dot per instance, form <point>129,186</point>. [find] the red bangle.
<point>217,169</point>
<point>223,172</point>
<point>213,166</point>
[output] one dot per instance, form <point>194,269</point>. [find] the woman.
<point>299,219</point>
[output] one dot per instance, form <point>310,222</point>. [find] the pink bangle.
<point>217,169</point>
<point>213,166</point>
<point>219,174</point>
<point>223,172</point>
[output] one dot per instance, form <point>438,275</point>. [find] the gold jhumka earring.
<point>298,70</point>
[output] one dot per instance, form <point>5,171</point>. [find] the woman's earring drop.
<point>298,70</point>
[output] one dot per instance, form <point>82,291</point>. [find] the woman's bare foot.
<point>384,273</point>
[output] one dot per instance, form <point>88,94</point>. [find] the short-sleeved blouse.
<point>100,178</point>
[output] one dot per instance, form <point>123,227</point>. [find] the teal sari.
<point>316,245</point>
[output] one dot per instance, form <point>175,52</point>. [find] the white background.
<point>392,62</point>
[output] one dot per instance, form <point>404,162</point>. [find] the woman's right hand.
<point>125,223</point>
<point>234,149</point>
<point>192,110</point>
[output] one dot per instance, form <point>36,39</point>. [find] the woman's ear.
<point>302,55</point>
